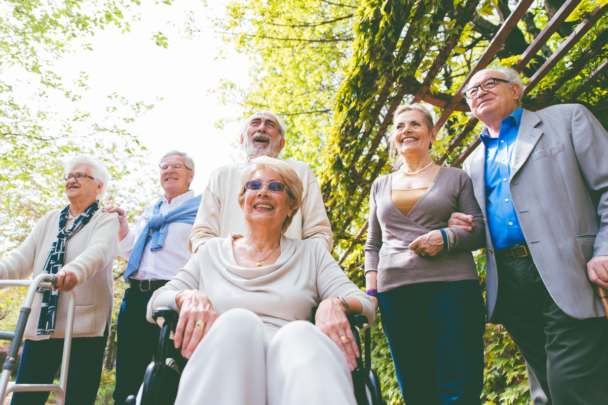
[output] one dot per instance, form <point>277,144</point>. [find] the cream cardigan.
<point>304,275</point>
<point>89,254</point>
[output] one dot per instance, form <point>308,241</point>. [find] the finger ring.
<point>200,325</point>
<point>344,338</point>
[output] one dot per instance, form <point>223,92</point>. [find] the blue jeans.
<point>40,362</point>
<point>435,334</point>
<point>136,344</point>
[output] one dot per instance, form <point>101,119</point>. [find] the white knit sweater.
<point>89,254</point>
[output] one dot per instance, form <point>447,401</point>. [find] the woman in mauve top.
<point>422,273</point>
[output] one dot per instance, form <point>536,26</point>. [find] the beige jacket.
<point>89,254</point>
<point>220,214</point>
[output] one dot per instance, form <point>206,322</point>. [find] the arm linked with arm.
<point>467,204</point>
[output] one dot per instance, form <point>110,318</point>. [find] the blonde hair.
<point>430,124</point>
<point>283,171</point>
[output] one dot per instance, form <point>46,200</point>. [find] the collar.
<point>179,199</point>
<point>513,120</point>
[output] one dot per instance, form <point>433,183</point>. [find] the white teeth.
<point>263,206</point>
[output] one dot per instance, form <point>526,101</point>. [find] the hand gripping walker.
<point>16,337</point>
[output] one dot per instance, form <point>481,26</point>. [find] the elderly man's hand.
<point>597,268</point>
<point>459,220</point>
<point>66,280</point>
<point>331,320</point>
<point>430,244</point>
<point>123,229</point>
<point>196,317</point>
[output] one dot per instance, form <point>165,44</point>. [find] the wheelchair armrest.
<point>168,315</point>
<point>359,321</point>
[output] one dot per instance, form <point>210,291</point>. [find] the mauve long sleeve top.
<point>390,232</point>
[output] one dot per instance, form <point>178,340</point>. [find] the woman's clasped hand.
<point>195,320</point>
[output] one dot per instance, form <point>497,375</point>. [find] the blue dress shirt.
<point>502,218</point>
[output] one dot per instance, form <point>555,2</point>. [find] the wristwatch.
<point>345,303</point>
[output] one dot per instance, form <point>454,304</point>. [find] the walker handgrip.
<point>7,336</point>
<point>13,351</point>
<point>54,280</point>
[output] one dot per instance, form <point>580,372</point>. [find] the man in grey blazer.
<point>541,179</point>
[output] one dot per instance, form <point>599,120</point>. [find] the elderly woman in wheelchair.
<point>244,304</point>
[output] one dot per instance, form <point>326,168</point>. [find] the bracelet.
<point>446,246</point>
<point>372,292</point>
<point>451,238</point>
<point>344,302</point>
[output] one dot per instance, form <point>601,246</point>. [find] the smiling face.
<point>412,135</point>
<point>265,208</point>
<point>175,182</point>
<point>497,103</point>
<point>262,137</point>
<point>84,191</point>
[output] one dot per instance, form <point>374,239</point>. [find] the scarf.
<point>54,263</point>
<point>185,213</point>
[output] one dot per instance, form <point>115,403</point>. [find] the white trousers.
<point>235,364</point>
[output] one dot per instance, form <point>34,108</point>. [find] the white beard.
<point>256,149</point>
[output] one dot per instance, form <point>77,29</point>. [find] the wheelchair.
<point>162,376</point>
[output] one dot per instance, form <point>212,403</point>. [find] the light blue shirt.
<point>502,218</point>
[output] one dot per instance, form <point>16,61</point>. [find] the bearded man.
<point>262,134</point>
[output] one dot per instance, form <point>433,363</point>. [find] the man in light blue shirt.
<point>541,180</point>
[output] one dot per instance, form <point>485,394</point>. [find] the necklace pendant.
<point>258,264</point>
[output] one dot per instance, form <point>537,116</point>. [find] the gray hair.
<point>98,171</point>
<point>245,123</point>
<point>512,76</point>
<point>188,160</point>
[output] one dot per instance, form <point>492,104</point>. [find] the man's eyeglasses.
<point>273,186</point>
<point>77,176</point>
<point>487,85</point>
<point>176,166</point>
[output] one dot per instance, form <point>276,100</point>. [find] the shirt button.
<point>505,179</point>
<point>506,200</point>
<point>510,223</point>
<point>502,141</point>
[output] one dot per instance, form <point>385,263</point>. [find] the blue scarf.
<point>156,228</point>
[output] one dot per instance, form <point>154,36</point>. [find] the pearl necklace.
<point>419,171</point>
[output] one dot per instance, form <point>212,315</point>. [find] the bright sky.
<point>133,66</point>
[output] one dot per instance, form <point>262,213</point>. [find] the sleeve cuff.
<point>126,245</point>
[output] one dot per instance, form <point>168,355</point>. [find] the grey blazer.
<point>559,187</point>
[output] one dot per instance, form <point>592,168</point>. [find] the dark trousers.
<point>41,360</point>
<point>567,358</point>
<point>136,344</point>
<point>435,333</point>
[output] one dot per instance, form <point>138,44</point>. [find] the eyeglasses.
<point>77,176</point>
<point>176,166</point>
<point>273,186</point>
<point>487,85</point>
